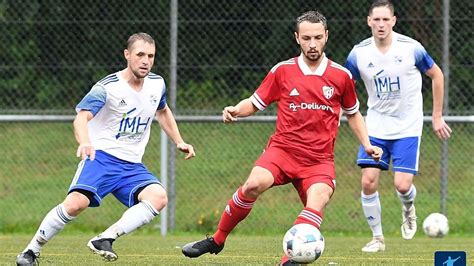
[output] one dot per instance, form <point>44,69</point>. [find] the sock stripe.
<point>369,198</point>
<point>150,207</point>
<point>311,216</point>
<point>62,216</point>
<point>241,203</point>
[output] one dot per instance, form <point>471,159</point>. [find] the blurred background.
<point>213,54</point>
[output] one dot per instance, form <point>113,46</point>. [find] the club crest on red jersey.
<point>328,91</point>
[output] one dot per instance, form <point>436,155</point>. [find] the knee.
<point>158,200</point>
<point>75,203</point>
<point>368,183</point>
<point>251,190</point>
<point>403,187</point>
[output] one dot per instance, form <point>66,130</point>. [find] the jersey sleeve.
<point>350,103</point>
<point>351,65</point>
<point>423,60</point>
<point>267,92</point>
<point>94,100</point>
<point>163,98</point>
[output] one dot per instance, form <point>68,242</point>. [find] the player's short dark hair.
<point>139,36</point>
<point>312,16</point>
<point>382,3</point>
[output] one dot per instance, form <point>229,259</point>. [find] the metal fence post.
<point>172,102</point>
<point>444,148</point>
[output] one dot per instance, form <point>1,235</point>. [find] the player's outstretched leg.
<point>27,257</point>
<point>408,222</point>
<point>196,249</point>
<point>103,247</point>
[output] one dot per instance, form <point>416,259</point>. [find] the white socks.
<point>52,224</point>
<point>373,212</point>
<point>136,216</point>
<point>408,198</point>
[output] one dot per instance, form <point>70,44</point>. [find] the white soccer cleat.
<point>375,245</point>
<point>408,222</point>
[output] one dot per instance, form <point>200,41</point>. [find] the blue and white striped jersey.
<point>393,83</point>
<point>123,116</point>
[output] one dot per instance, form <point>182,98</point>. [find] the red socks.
<point>310,216</point>
<point>236,210</point>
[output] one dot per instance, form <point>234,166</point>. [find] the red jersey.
<point>309,104</point>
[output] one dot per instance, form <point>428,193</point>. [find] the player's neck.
<point>312,65</point>
<point>133,81</point>
<point>383,45</point>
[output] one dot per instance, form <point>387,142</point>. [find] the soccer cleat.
<point>196,249</point>
<point>375,245</point>
<point>408,222</point>
<point>287,262</point>
<point>27,258</point>
<point>103,247</point>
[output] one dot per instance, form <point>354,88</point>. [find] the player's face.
<point>312,38</point>
<point>381,21</point>
<point>140,58</point>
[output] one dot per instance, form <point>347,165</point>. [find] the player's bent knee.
<point>156,198</point>
<point>75,203</point>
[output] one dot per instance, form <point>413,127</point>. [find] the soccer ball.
<point>303,243</point>
<point>436,225</point>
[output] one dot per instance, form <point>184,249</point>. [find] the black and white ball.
<point>303,243</point>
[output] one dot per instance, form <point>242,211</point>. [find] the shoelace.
<point>372,243</point>
<point>410,221</point>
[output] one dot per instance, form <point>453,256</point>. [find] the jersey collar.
<point>305,69</point>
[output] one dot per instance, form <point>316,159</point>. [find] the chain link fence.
<point>52,52</point>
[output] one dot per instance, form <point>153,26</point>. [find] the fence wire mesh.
<point>52,52</point>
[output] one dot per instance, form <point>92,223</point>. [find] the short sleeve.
<point>94,100</point>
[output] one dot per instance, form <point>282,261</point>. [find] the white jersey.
<point>123,116</point>
<point>393,83</point>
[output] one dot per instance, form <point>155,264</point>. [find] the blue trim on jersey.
<point>423,60</point>
<point>403,152</point>
<point>154,76</point>
<point>351,65</point>
<point>110,78</point>
<point>94,100</point>
<point>163,99</point>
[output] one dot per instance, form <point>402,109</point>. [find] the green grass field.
<point>140,249</point>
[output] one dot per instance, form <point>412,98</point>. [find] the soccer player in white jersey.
<point>390,65</point>
<point>112,128</point>
<point>311,91</point>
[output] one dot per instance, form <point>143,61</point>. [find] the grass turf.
<point>141,249</point>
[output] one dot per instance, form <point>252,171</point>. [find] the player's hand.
<point>442,130</point>
<point>186,148</point>
<point>375,152</point>
<point>85,150</point>
<point>229,114</point>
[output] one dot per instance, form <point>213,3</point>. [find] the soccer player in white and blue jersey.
<point>390,65</point>
<point>112,128</point>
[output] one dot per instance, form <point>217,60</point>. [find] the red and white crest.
<point>328,91</point>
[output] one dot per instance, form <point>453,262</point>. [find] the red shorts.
<point>286,168</point>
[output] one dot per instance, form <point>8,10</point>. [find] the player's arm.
<point>81,133</point>
<point>243,109</point>
<point>357,124</point>
<point>442,130</point>
<point>170,127</point>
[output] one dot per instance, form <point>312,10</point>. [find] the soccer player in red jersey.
<point>311,91</point>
